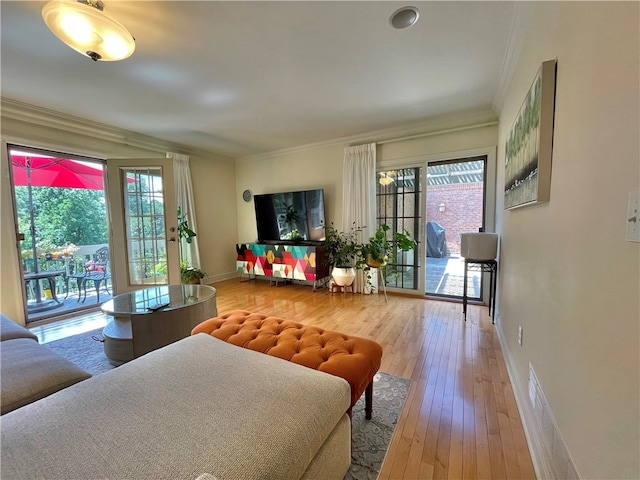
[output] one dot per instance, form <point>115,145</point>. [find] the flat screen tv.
<point>290,217</point>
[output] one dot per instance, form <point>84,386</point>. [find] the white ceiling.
<point>242,78</point>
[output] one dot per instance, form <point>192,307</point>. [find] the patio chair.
<point>76,271</point>
<point>97,271</point>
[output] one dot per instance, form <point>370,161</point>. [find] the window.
<point>398,206</point>
<point>145,229</point>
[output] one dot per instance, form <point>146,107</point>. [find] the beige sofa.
<point>197,408</point>
<point>30,371</point>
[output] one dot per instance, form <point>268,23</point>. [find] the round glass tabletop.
<point>155,299</point>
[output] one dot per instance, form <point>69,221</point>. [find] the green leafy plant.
<point>380,250</point>
<point>184,231</point>
<point>188,273</point>
<point>160,269</point>
<point>340,248</point>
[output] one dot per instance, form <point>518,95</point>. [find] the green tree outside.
<point>62,216</point>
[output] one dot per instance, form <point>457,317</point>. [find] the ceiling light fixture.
<point>385,180</point>
<point>404,17</point>
<point>85,27</point>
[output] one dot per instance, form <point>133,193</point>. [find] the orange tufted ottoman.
<point>353,358</point>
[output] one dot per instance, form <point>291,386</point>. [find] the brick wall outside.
<point>463,210</point>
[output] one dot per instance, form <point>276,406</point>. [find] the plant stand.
<point>483,266</point>
<point>379,268</point>
<point>384,284</point>
<point>344,289</point>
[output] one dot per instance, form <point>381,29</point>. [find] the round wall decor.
<point>247,195</point>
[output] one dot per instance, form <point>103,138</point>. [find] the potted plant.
<point>340,253</point>
<point>188,273</point>
<point>379,250</point>
<point>69,249</point>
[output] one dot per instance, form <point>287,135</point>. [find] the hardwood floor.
<point>460,419</point>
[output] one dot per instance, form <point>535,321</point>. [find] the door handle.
<point>172,239</point>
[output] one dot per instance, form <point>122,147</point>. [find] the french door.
<point>143,223</point>
<point>455,204</point>
<point>436,200</point>
<point>61,217</point>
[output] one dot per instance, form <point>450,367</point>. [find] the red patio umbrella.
<point>55,172</point>
<point>33,171</point>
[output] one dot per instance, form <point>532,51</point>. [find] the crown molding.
<point>515,43</point>
<point>433,126</point>
<point>20,111</point>
<point>24,112</point>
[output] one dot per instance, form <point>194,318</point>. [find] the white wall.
<point>289,171</point>
<point>567,275</point>
<point>213,178</point>
<point>321,167</point>
<point>214,191</point>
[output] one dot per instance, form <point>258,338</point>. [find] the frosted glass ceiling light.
<point>87,29</point>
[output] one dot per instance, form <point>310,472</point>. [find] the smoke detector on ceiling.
<point>404,17</point>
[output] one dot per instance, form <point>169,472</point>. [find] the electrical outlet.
<point>520,335</point>
<point>633,217</point>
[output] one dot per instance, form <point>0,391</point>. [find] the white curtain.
<point>359,194</point>
<point>184,200</point>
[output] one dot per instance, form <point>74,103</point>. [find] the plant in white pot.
<point>340,254</point>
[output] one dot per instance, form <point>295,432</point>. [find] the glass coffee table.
<point>145,320</point>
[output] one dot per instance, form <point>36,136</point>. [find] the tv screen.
<point>290,217</point>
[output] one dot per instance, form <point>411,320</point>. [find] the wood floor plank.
<point>482,436</point>
<point>415,462</point>
<point>460,419</point>
<point>469,460</point>
<point>436,389</point>
<point>445,451</point>
<point>456,453</point>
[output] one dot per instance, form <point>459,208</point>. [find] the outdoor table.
<point>50,276</point>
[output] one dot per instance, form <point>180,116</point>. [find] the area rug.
<point>370,438</point>
<point>85,350</point>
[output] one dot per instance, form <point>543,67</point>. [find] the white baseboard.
<point>219,278</point>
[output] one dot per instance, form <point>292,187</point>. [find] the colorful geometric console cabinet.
<point>294,262</point>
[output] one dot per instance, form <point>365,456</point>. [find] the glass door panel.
<point>61,216</point>
<point>144,223</point>
<point>397,197</point>
<point>455,204</point>
<point>145,227</point>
